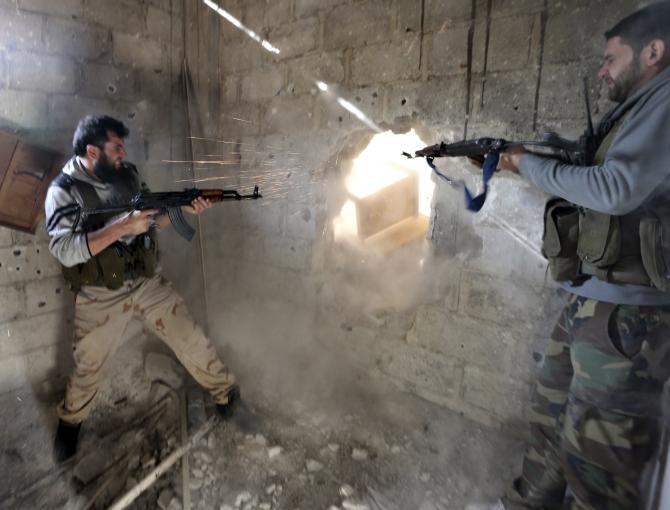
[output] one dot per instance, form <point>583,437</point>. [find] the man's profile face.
<point>108,164</point>
<point>620,69</point>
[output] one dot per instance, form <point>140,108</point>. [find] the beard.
<point>105,170</point>
<point>626,82</point>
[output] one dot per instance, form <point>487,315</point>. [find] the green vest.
<point>580,243</point>
<point>116,263</point>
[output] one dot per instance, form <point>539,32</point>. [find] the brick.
<point>66,111</point>
<point>22,109</point>
<point>277,12</point>
<point>409,16</point>
<point>40,262</point>
<point>296,38</point>
<point>66,8</point>
<point>368,22</point>
<point>310,7</point>
<point>325,67</point>
<point>371,63</point>
<point>109,82</point>
<point>498,395</point>
<point>21,31</point>
<point>139,52</point>
<point>31,71</point>
<point>447,52</point>
<point>12,302</point>
<point>514,43</point>
<point>47,295</point>
<point>287,114</point>
<point>561,91</point>
<point>441,13</point>
<point>26,335</point>
<point>262,84</point>
<point>118,16</point>
<point>247,56</point>
<point>76,39</point>
<point>441,100</point>
<point>159,24</point>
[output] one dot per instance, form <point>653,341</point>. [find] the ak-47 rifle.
<point>169,202</point>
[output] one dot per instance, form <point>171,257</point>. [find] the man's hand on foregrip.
<point>198,206</point>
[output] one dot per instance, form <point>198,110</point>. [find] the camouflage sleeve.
<point>70,248</point>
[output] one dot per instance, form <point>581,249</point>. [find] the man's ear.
<point>656,52</point>
<point>92,151</point>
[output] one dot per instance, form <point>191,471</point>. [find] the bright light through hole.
<point>381,169</point>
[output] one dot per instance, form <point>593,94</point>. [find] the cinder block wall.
<point>462,319</point>
<point>61,60</point>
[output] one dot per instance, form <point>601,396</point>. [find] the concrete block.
<point>331,114</point>
<point>21,31</point>
<point>40,262</point>
<point>247,56</point>
<point>262,84</point>
<point>65,8</point>
<point>409,17</point>
<point>441,13</point>
<point>561,91</point>
<point>348,27</point>
<point>47,295</point>
<point>154,86</point>
<point>31,71</point>
<point>514,43</point>
<point>495,393</point>
<point>277,12</point>
<point>500,7</point>
<point>447,51</point>
<point>123,16</point>
<point>325,67</point>
<point>370,64</point>
<point>109,82</point>
<point>12,302</point>
<point>65,37</point>
<point>39,237</point>
<point>301,222</point>
<point>289,114</point>
<point>440,101</point>
<point>310,7</point>
<point>65,111</point>
<point>26,335</point>
<point>139,52</point>
<point>422,369</point>
<point>254,14</point>
<point>296,38</point>
<point>5,237</point>
<point>22,109</point>
<point>35,366</point>
<point>159,24</point>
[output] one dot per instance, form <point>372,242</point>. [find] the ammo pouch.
<point>651,246</point>
<point>560,239</point>
<point>115,264</point>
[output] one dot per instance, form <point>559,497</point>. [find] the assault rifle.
<point>169,202</point>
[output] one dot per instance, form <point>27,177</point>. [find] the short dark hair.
<point>643,26</point>
<point>94,130</point>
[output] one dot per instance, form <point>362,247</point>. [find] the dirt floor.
<point>353,446</point>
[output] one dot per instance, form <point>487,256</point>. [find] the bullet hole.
<point>340,119</point>
<point>38,271</point>
<point>358,99</point>
<point>17,253</point>
<point>58,291</point>
<point>38,250</point>
<point>41,304</point>
<point>131,115</point>
<point>462,346</point>
<point>18,268</point>
<point>516,108</point>
<point>374,94</point>
<point>403,102</point>
<point>271,156</point>
<point>111,89</point>
<point>288,175</point>
<point>537,357</point>
<point>293,248</point>
<point>408,30</point>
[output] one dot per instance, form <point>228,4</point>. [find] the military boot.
<point>67,439</point>
<point>238,413</point>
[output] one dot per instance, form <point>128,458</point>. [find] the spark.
<point>238,24</point>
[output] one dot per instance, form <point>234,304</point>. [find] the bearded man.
<point>596,407</point>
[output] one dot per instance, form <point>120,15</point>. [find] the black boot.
<point>236,411</point>
<point>67,438</point>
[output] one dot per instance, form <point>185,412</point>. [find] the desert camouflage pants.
<point>101,317</point>
<point>596,408</point>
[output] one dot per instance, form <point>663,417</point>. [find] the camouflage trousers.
<point>596,409</point>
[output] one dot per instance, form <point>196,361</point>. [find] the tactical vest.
<point>119,261</point>
<point>580,243</point>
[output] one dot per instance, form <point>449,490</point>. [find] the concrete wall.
<point>61,60</point>
<point>461,319</point>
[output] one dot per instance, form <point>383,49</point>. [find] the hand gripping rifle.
<point>169,202</point>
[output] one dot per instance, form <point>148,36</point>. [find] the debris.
<point>313,466</point>
<point>264,506</point>
<point>275,451</point>
<point>359,454</point>
<point>226,507</point>
<point>175,504</point>
<point>197,473</point>
<point>260,439</point>
<point>195,484</point>
<point>346,491</point>
<point>424,477</point>
<point>396,449</point>
<point>242,498</point>
<point>348,504</point>
<point>270,490</point>
<point>334,447</point>
<point>164,499</point>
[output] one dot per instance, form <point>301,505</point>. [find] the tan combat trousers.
<point>101,317</point>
